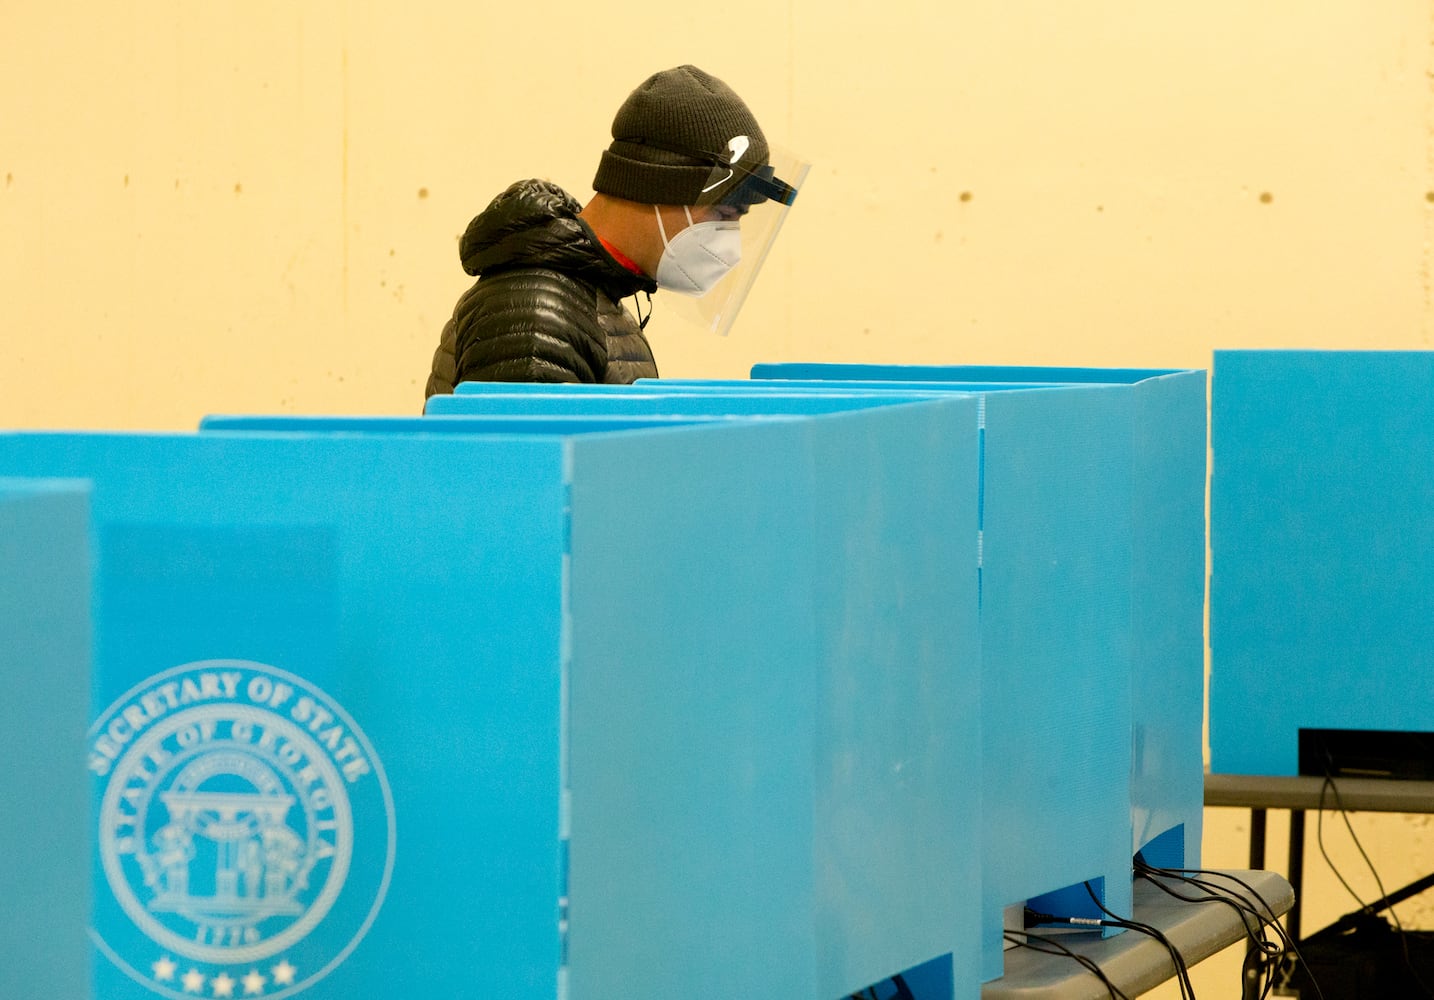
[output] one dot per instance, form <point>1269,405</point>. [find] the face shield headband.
<point>730,181</point>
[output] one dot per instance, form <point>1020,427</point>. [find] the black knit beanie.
<point>669,136</point>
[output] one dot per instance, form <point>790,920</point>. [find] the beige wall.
<point>253,207</point>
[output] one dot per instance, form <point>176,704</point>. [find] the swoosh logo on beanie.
<point>737,146</point>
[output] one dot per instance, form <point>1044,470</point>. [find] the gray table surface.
<point>1135,962</point>
<point>1299,794</point>
<point>1253,791</point>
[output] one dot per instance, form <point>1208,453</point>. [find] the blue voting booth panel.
<point>1055,613</point>
<point>1167,611</point>
<point>713,386</point>
<point>884,652</point>
<point>892,656</point>
<point>411,586</point>
<point>676,403</point>
<point>1059,610</point>
<point>530,424</point>
<point>1138,457</point>
<point>45,657</point>
<point>1168,407</point>
<point>996,374</point>
<point>323,749</point>
<point>1322,553</point>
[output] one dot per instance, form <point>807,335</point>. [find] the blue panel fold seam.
<point>565,659</point>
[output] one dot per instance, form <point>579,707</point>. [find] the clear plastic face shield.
<point>756,196</point>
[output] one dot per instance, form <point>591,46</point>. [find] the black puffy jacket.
<point>547,303</point>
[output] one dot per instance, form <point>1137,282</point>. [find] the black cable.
<point>642,325</point>
<point>1182,972</point>
<point>1215,894</point>
<point>1261,953</point>
<point>1266,921</point>
<point>1379,883</point>
<point>1319,841</point>
<point>1272,923</point>
<point>1255,966</point>
<point>1033,918</point>
<point>1246,912</point>
<point>1189,875</point>
<point>1056,948</point>
<point>1339,803</point>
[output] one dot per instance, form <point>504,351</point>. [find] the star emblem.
<point>284,973</point>
<point>253,983</point>
<point>193,981</point>
<point>222,985</point>
<point>164,969</point>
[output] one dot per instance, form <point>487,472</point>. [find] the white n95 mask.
<point>699,256</point>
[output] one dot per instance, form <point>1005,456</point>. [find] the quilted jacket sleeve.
<point>528,325</point>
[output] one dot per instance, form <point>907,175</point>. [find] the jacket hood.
<point>534,223</point>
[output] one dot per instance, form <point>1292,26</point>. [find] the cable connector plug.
<point>1035,918</point>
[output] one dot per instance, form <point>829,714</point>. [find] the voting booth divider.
<point>1322,562</point>
<point>1093,576</point>
<point>44,826</point>
<point>769,687</point>
<point>1067,568</point>
<point>579,706</point>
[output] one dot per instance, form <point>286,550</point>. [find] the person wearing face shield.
<point>688,198</point>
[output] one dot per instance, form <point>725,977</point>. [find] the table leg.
<point>1257,839</point>
<point>1297,864</point>
<point>1253,974</point>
